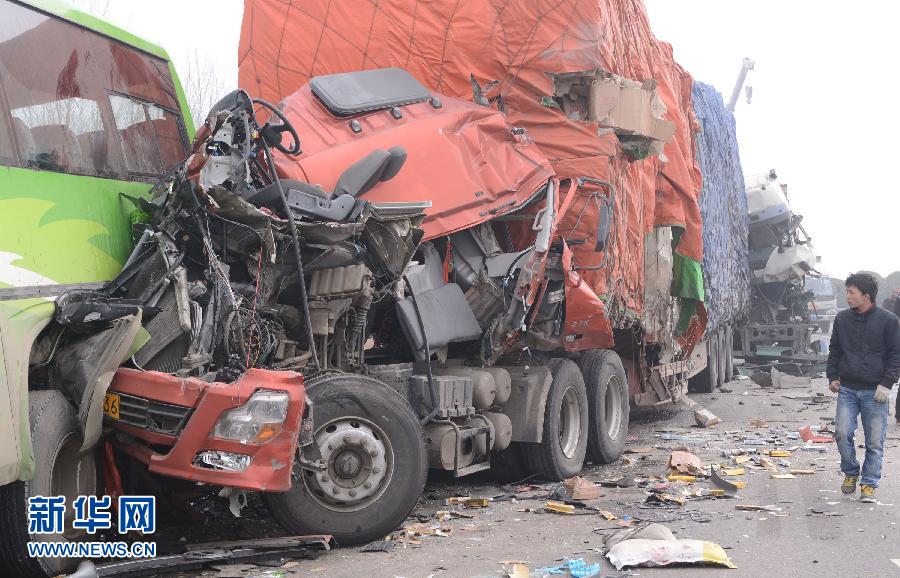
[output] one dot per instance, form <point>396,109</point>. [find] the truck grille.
<point>153,415</point>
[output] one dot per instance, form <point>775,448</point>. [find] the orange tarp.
<point>516,42</point>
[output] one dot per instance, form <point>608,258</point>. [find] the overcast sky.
<point>824,97</point>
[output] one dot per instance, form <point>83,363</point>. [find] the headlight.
<point>257,421</point>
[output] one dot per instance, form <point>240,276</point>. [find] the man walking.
<point>863,364</point>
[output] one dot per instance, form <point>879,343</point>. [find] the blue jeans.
<point>852,403</point>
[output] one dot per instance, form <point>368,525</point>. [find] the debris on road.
<point>559,508</point>
<point>381,546</point>
<point>577,488</point>
<point>687,463</point>
<point>469,502</point>
<point>730,489</point>
<point>706,418</point>
<point>655,545</point>
<point>807,435</point>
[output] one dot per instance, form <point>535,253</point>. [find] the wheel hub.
<point>569,423</point>
<point>357,467</point>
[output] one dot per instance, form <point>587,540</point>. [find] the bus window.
<point>151,136</point>
<point>58,78</point>
<point>7,146</point>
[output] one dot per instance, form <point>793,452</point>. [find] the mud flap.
<point>83,371</point>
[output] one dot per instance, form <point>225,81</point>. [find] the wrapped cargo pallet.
<point>723,205</point>
<point>552,69</point>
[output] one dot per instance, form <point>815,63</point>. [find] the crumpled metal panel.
<point>461,156</point>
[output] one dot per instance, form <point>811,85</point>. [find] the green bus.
<point>89,116</point>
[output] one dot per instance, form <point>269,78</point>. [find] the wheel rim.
<point>569,422</point>
<point>613,409</point>
<point>72,474</point>
<point>359,462</point>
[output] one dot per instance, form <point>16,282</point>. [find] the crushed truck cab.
<point>242,434</point>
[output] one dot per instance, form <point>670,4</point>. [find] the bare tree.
<point>202,85</point>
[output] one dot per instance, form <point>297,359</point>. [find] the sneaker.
<point>849,485</point>
<point>867,494</point>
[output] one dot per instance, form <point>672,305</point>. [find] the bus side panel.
<point>20,323</point>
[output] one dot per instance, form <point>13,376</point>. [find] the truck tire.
<point>729,355</point>
<point>376,464</point>
<point>608,404</point>
<point>707,380</point>
<point>722,357</point>
<point>61,471</point>
<point>560,454</point>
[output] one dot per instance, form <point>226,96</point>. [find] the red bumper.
<point>201,404</point>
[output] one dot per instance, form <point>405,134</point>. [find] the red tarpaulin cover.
<point>516,42</point>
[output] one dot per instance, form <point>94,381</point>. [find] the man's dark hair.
<point>865,282</point>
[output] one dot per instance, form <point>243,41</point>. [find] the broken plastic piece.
<point>681,478</point>
<point>807,435</point>
<point>780,454</point>
<point>576,568</point>
<point>721,483</point>
<point>559,508</point>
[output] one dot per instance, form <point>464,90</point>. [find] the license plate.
<point>111,405</point>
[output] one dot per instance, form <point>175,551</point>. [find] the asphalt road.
<point>852,539</point>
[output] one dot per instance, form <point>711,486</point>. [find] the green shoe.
<point>867,494</point>
<point>849,485</point>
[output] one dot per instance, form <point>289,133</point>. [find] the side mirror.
<point>604,225</point>
<point>607,206</point>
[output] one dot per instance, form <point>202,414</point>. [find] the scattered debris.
<point>665,499</point>
<point>779,453</point>
<point>802,472</point>
<point>705,418</point>
<point>756,422</point>
<point>807,435</point>
<point>576,568</point>
<point>559,508</point>
<point>655,545</point>
<point>622,482</point>
<point>381,546</point>
<point>686,463</point>
<point>519,571</point>
<point>783,477</point>
<point>783,380</point>
<point>720,483</point>
<point>578,488</point>
<point>752,508</point>
<point>681,478</point>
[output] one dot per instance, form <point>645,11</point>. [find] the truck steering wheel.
<point>285,125</point>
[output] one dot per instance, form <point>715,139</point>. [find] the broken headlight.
<point>257,421</point>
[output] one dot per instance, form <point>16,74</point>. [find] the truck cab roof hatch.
<point>352,93</point>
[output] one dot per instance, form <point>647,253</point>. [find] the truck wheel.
<point>61,471</point>
<point>729,355</point>
<point>706,380</point>
<point>722,357</point>
<point>373,447</point>
<point>560,454</point>
<point>608,404</point>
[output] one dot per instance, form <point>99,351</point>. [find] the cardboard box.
<point>629,107</point>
